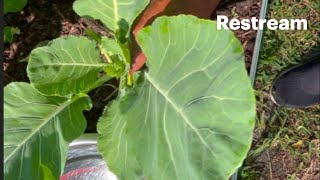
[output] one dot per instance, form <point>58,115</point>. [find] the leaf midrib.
<point>74,64</point>
<point>179,110</point>
<point>116,14</point>
<point>64,105</point>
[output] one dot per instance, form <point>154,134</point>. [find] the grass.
<point>286,142</point>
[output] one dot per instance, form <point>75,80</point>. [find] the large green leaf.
<point>67,65</point>
<point>115,14</point>
<point>38,130</point>
<point>191,115</point>
<point>13,5</point>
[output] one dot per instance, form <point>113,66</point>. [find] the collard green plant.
<point>188,115</point>
<point>182,119</point>
<point>47,114</point>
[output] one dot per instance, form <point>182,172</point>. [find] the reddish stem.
<point>155,8</point>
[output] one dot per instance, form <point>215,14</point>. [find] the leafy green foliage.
<point>68,65</point>
<point>38,130</point>
<point>11,6</point>
<point>172,124</point>
<point>9,32</point>
<point>115,14</point>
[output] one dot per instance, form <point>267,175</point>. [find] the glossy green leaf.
<point>11,6</point>
<point>67,65</point>
<point>38,130</point>
<point>9,32</point>
<point>115,14</point>
<point>191,115</point>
